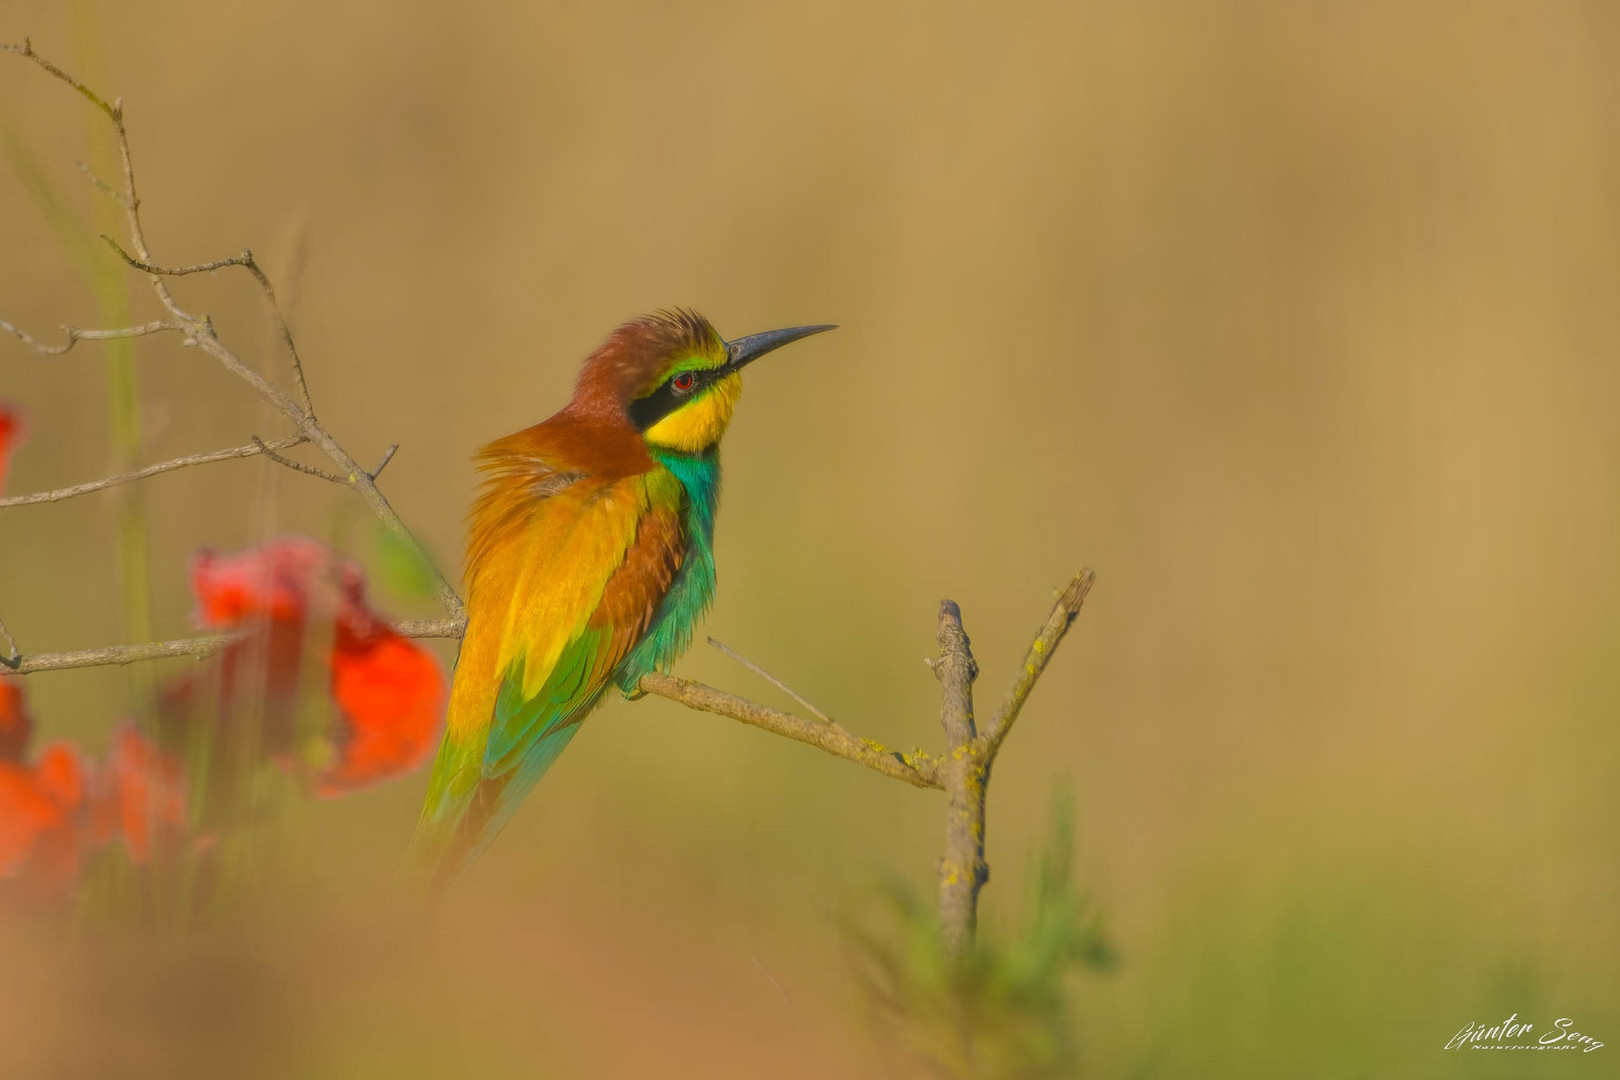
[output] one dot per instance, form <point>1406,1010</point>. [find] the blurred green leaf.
<point>399,566</point>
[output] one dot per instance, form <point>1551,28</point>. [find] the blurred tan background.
<point>1297,322</point>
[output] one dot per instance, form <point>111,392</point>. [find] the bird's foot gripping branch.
<point>678,422</point>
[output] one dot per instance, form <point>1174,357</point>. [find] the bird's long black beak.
<point>745,350</point>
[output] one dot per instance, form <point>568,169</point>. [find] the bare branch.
<point>1040,654</point>
<point>298,466</point>
<point>205,645</point>
<point>100,184</point>
<point>772,679</point>
<point>916,768</point>
<point>76,335</point>
<point>114,111</point>
<point>253,450</point>
<point>246,261</point>
<point>966,775</point>
<point>200,332</point>
<point>13,655</point>
<point>388,455</point>
<point>177,271</point>
<point>285,333</point>
<point>123,654</point>
<point>429,628</point>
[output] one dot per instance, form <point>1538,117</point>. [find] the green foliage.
<point>1001,1011</point>
<point>399,565</point>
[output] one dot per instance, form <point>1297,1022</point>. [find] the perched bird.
<point>590,559</point>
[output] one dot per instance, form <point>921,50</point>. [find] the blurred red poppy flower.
<point>273,582</point>
<point>42,809</point>
<point>301,607</point>
<point>140,798</point>
<point>55,809</point>
<point>12,431</point>
<point>390,695</point>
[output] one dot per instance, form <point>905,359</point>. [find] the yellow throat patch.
<point>698,424</point>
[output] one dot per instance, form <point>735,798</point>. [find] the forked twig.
<point>76,335</point>
<point>199,332</point>
<point>253,450</point>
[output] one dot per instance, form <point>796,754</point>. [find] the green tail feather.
<point>477,788</point>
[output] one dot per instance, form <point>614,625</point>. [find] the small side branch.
<point>388,455</point>
<point>298,466</point>
<point>76,335</point>
<point>177,271</point>
<point>122,654</point>
<point>917,769</point>
<point>60,494</point>
<point>199,332</point>
<point>205,645</point>
<point>101,185</point>
<point>13,656</point>
<point>114,111</point>
<point>1039,655</point>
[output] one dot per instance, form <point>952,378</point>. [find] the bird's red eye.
<point>683,382</point>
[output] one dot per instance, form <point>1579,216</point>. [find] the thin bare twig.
<point>772,679</point>
<point>100,184</point>
<point>388,455</point>
<point>122,654</point>
<point>916,768</point>
<point>1035,661</point>
<point>200,332</point>
<point>113,111</point>
<point>246,261</point>
<point>285,333</point>
<point>253,450</point>
<point>298,466</point>
<point>205,645</point>
<point>13,655</point>
<point>76,335</point>
<point>177,271</point>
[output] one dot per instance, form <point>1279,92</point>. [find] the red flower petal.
<point>273,581</point>
<point>12,432</point>
<point>143,794</point>
<point>26,813</point>
<point>16,726</point>
<point>389,691</point>
<point>61,774</point>
<point>390,696</point>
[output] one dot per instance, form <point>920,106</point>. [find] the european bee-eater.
<point>590,559</point>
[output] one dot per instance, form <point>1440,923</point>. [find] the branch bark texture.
<point>962,872</point>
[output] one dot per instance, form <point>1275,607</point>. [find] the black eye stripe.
<point>647,411</point>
